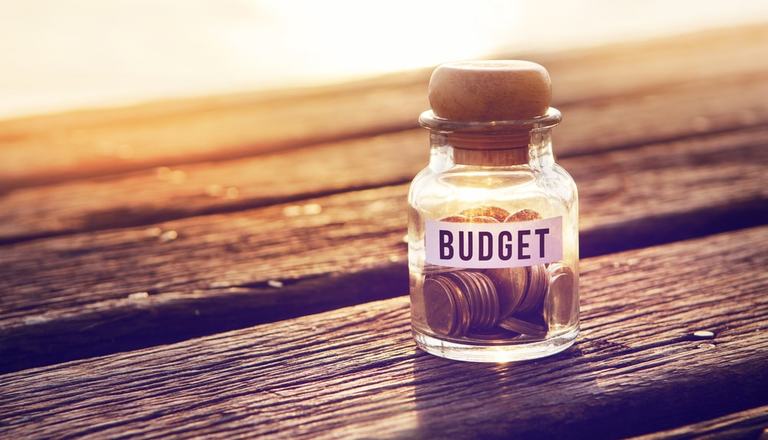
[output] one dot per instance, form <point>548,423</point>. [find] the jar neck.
<point>532,148</point>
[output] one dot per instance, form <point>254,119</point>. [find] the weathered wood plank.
<point>751,423</point>
<point>64,297</point>
<point>354,372</point>
<point>164,193</point>
<point>101,142</point>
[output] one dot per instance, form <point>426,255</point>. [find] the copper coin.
<point>486,211</point>
<point>522,216</point>
<point>541,288</point>
<point>544,281</point>
<point>521,278</point>
<point>493,298</point>
<point>532,292</point>
<point>430,269</point>
<point>455,219</point>
<point>511,284</point>
<point>465,284</point>
<point>560,303</point>
<point>523,327</point>
<point>476,300</point>
<point>484,316</point>
<point>487,320</point>
<point>462,310</point>
<point>555,268</point>
<point>482,219</point>
<point>440,306</point>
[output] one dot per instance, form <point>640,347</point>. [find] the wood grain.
<point>165,193</point>
<point>105,141</point>
<point>751,423</point>
<point>96,293</point>
<point>355,372</point>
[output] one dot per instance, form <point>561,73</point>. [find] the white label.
<point>494,245</point>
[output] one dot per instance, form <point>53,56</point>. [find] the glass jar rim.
<point>427,119</point>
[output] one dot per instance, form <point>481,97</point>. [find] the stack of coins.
<point>521,292</point>
<point>501,304</point>
<point>459,301</point>
<point>478,304</point>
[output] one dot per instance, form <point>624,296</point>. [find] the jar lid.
<point>492,90</point>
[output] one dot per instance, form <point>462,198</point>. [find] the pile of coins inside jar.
<point>501,303</point>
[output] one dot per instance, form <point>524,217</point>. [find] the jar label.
<point>494,245</point>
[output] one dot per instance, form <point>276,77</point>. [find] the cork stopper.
<point>500,90</point>
<point>467,92</point>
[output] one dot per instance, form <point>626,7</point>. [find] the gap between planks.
<point>355,372</point>
<point>115,290</point>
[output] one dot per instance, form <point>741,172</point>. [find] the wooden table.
<point>235,266</point>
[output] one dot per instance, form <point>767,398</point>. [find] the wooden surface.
<point>160,265</point>
<point>706,184</point>
<point>749,423</point>
<point>355,371</point>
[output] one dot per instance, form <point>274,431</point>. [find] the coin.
<point>511,284</point>
<point>499,214</point>
<point>483,219</point>
<point>543,287</point>
<point>463,281</point>
<point>473,298</point>
<point>524,327</point>
<point>523,215</point>
<point>440,306</point>
<point>534,295</point>
<point>560,303</point>
<point>455,219</point>
<point>494,308</point>
<point>491,301</point>
<point>476,301</point>
<point>554,268</point>
<point>483,286</point>
<point>462,310</point>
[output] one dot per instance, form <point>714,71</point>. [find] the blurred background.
<point>58,55</point>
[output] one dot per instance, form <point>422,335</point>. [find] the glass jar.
<point>493,244</point>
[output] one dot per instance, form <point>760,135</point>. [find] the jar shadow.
<point>531,399</point>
